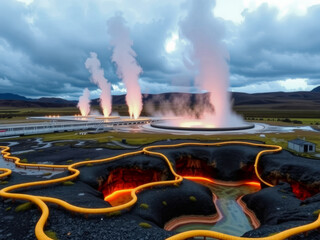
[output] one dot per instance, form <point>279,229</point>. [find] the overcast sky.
<point>273,46</point>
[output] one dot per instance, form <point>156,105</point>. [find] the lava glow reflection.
<point>196,124</point>
<point>106,111</point>
<point>134,109</point>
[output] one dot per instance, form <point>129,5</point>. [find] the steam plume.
<point>127,67</point>
<point>209,56</point>
<point>97,77</point>
<point>84,102</point>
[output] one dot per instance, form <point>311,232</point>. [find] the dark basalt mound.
<point>300,169</point>
<point>228,163</point>
<point>62,154</point>
<point>79,193</point>
<point>301,173</point>
<point>278,209</point>
<point>166,203</point>
<point>269,203</point>
<point>67,226</point>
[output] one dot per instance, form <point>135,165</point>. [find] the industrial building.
<point>300,145</point>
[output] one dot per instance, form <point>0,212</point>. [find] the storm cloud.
<point>43,46</point>
<point>265,48</point>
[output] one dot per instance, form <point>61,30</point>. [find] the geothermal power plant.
<point>208,51</point>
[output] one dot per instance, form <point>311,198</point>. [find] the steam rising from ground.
<point>127,67</point>
<point>209,57</point>
<point>97,77</point>
<point>84,103</point>
<point>178,104</point>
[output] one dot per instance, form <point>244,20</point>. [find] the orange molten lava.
<point>119,197</point>
<point>300,191</point>
<point>204,179</point>
<point>252,183</point>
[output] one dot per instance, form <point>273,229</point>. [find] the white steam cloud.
<point>84,102</point>
<point>127,67</point>
<point>209,56</point>
<point>97,77</point>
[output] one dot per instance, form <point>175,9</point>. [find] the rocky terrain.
<point>278,208</point>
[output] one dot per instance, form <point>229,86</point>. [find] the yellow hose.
<point>5,173</point>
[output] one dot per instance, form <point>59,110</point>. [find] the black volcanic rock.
<point>299,169</point>
<point>278,209</point>
<point>271,203</point>
<point>67,152</point>
<point>177,202</point>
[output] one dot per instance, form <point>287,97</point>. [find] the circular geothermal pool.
<point>198,126</point>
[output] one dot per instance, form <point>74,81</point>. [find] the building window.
<point>310,148</point>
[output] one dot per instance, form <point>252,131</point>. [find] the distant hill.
<point>257,101</point>
<point>11,96</point>
<point>56,101</point>
<point>292,99</point>
<point>34,104</point>
<point>317,89</point>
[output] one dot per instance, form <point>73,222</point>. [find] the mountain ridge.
<point>290,99</point>
<point>316,89</point>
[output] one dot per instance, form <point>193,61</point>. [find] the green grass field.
<point>12,113</point>
<point>146,138</point>
<point>314,122</point>
<point>133,138</point>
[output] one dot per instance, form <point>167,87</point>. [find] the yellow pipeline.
<point>7,156</point>
<point>39,200</point>
<point>5,172</point>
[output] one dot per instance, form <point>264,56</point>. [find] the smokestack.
<point>127,68</point>
<point>209,56</point>
<point>97,77</point>
<point>84,103</point>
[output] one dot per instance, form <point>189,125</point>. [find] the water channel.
<point>235,221</point>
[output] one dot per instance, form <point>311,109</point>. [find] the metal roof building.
<point>300,145</point>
